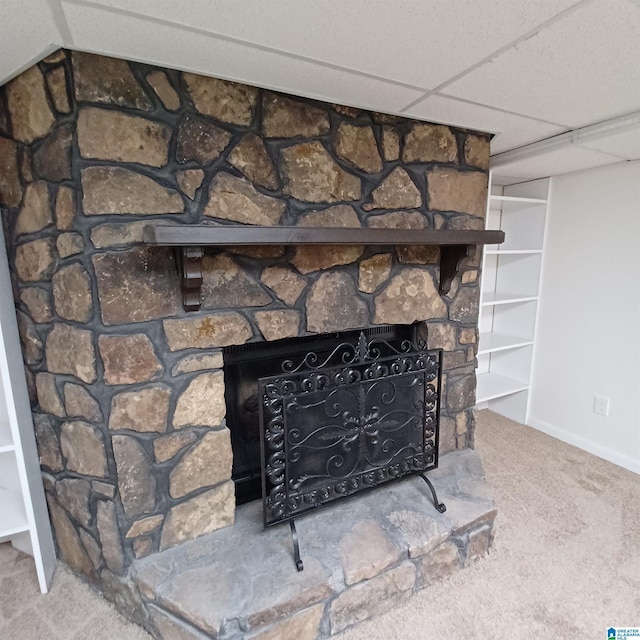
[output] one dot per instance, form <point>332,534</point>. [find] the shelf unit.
<point>24,519</point>
<point>509,293</point>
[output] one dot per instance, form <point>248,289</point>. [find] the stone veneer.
<point>127,389</point>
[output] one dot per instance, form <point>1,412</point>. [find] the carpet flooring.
<point>565,563</point>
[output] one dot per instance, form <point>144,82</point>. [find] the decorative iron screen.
<point>367,414</point>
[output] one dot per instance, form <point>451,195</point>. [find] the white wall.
<point>588,332</point>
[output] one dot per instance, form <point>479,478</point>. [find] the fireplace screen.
<point>333,426</point>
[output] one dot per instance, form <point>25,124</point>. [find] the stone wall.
<point>127,388</point>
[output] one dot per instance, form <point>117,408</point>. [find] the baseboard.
<point>596,449</point>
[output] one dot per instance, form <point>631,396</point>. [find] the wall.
<point>588,339</point>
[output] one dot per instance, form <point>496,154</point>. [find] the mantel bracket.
<point>189,261</point>
<point>452,260</point>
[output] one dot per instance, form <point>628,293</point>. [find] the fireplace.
<point>127,383</point>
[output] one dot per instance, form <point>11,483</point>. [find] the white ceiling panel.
<point>95,30</point>
<point>511,130</point>
<point>580,70</point>
<point>418,42</point>
<point>625,144</point>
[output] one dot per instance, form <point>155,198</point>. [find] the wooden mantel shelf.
<point>191,239</point>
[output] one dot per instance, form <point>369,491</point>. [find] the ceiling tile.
<point>580,70</point>
<point>124,36</point>
<point>625,144</point>
<point>512,130</point>
<point>418,42</point>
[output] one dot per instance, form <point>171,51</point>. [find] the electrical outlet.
<point>601,405</point>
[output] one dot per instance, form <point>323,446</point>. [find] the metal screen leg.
<point>440,506</point>
<point>296,546</point>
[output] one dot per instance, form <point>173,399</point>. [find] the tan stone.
<point>390,143</point>
<point>453,190</point>
<point>284,117</point>
<point>398,220</point>
<point>200,362</point>
<point>285,283</point>
<point>29,338</point>
<point>206,332</point>
<point>128,359</point>
<point>310,258</point>
<point>56,56</point>
<point>48,443</point>
<point>206,464</point>
<point>80,403</point>
<point>419,530</point>
<point>52,158</point>
<point>83,447</point>
<point>10,187</point>
<point>136,482</point>
<point>92,548</point>
<point>200,140</point>
<point>35,260</point>
<point>31,117</point>
<point>110,543</point>
<point>106,134</point>
<point>479,543</point>
<point>339,215</point>
<point>468,277</point>
<point>26,164</point>
<point>232,198</point>
<point>144,410</point>
<point>412,254</point>
<point>358,145</point>
<point>144,526</point>
<point>468,336</point>
<point>38,302</point>
<point>250,157</point>
<point>366,550</point>
<point>189,181</point>
<point>72,293</point>
<point>226,101</point>
<point>441,335</point>
<point>476,151</point>
<point>465,305</point>
<point>57,83</point>
<point>35,213</point>
<point>48,397</point>
<point>118,234</point>
<point>397,191</point>
<point>106,80</point>
<point>333,304</point>
<point>142,547</point>
<point>167,94</point>
<point>166,447</point>
<point>71,351</point>
<point>430,143</point>
<point>198,516</point>
<point>275,325</point>
<point>301,626</point>
<point>410,296</point>
<point>202,403</point>
<point>113,190</point>
<point>69,244</point>
<point>312,175</point>
<point>65,208</point>
<point>350,112</point>
<point>440,563</point>
<point>373,271</point>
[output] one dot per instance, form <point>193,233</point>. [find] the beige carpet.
<point>566,561</point>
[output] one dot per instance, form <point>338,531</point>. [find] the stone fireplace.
<point>127,387</point>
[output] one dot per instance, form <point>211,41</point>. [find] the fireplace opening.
<point>245,364</point>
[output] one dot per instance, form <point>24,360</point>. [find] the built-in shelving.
<point>14,517</point>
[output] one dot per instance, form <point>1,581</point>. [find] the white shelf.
<point>6,442</point>
<point>518,199</point>
<point>492,298</point>
<point>491,386</point>
<point>512,252</point>
<point>13,518</point>
<point>492,342</point>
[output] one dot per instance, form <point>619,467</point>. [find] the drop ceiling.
<point>525,70</point>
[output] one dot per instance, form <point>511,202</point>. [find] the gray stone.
<point>52,158</point>
<point>232,198</point>
<point>137,285</point>
<point>31,117</point>
<point>57,83</point>
<point>29,339</point>
<point>38,303</point>
<point>373,271</point>
<point>358,146</point>
<point>144,410</point>
<point>165,91</point>
<point>35,213</point>
<point>397,191</point>
<point>80,403</point>
<point>136,481</point>
<point>453,190</point>
<point>465,306</point>
<point>440,563</point>
<point>398,220</point>
<point>225,285</point>
<point>144,526</point>
<point>200,362</point>
<point>410,296</point>
<point>128,359</point>
<point>10,187</point>
<point>441,335</point>
<point>226,101</point>
<point>476,151</point>
<point>479,543</point>
<point>278,324</point>
<point>65,208</point>
<point>114,190</point>
<point>302,626</point>
<point>166,447</point>
<point>285,283</point>
<point>310,174</point>
<point>110,542</point>
<point>70,350</point>
<point>366,550</point>
<point>461,394</point>
<point>74,495</point>
<point>69,244</point>
<point>36,260</point>
<point>200,140</point>
<point>207,332</point>
<point>198,516</point>
<point>116,234</point>
<point>202,403</point>
<point>104,489</point>
<point>83,447</point>
<point>189,181</point>
<point>72,293</point>
<point>206,464</point>
<point>333,304</point>
<point>48,443</point>
<point>421,532</point>
<point>250,157</point>
<point>284,117</point>
<point>106,80</point>
<point>430,143</point>
<point>390,143</point>
<point>171,628</point>
<point>48,397</point>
